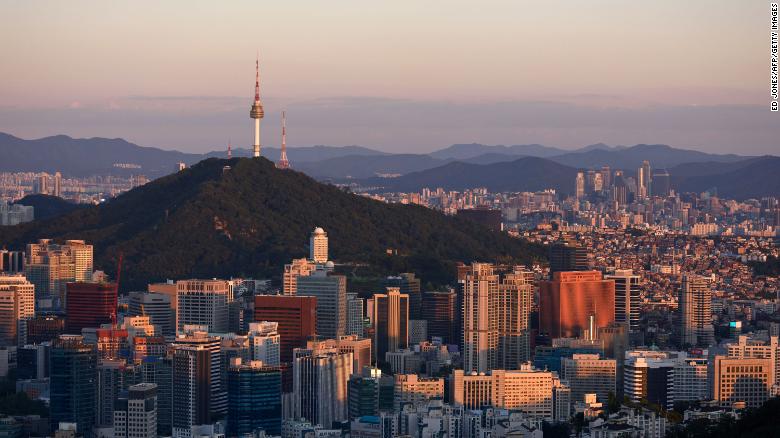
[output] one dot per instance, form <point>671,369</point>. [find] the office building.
<point>135,412</point>
<point>196,337</point>
<point>539,394</point>
<point>44,328</point>
<point>573,303</point>
<point>113,377</point>
<point>89,305</point>
<point>359,348</point>
<point>662,183</point>
<point>17,304</point>
<point>203,302</point>
<point>695,312</point>
<point>745,380</point>
<point>254,398</point>
<point>589,374</point>
<point>391,322</point>
<point>411,388</point>
<point>51,266</point>
<point>157,307</point>
<point>579,185</point>
<point>355,315</point>
<point>320,377</point>
<point>298,268</point>
<point>264,341</point>
<point>627,299</point>
<point>192,388</point>
<point>296,318</point>
<point>331,293</point>
<point>159,370</point>
<point>439,309</point>
<point>649,375</point>
<point>568,256</point>
<point>318,246</point>
<point>409,285</point>
<point>73,378</point>
<point>363,392</point>
<point>11,262</point>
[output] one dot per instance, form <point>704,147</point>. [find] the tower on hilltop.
<point>257,112</point>
<point>283,162</point>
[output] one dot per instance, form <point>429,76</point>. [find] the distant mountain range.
<point>248,221</point>
<point>690,170</point>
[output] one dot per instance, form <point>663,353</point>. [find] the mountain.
<point>751,178</point>
<point>366,166</point>
<point>46,206</point>
<point>86,156</point>
<point>465,151</point>
<point>302,154</point>
<point>524,174</point>
<point>630,158</point>
<point>253,218</point>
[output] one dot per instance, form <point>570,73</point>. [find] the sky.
<point>399,76</point>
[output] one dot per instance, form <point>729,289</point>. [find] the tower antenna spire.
<point>230,150</point>
<point>257,112</point>
<point>283,162</point>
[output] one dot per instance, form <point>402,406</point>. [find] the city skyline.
<point>347,75</point>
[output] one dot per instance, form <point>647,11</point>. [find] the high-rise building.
<point>17,304</point>
<point>662,183</point>
<point>320,377</point>
<point>318,246</point>
<point>254,398</point>
<point>57,184</point>
<point>264,341</point>
<point>331,293</point>
<point>135,412</point>
<point>643,181</point>
<point>439,308</point>
<point>747,380</point>
<point>627,299</point>
<point>159,370</point>
<point>568,256</point>
<point>11,261</point>
<point>217,398</point>
<point>539,394</point>
<point>411,388</point>
<point>157,307</point>
<point>695,312</point>
<point>391,322</point>
<point>73,376</point>
<point>298,268</point>
<point>192,388</point>
<point>257,112</point>
<point>359,348</point>
<point>355,315</point>
<point>579,185</point>
<point>575,303</point>
<point>363,393</point>
<point>296,317</point>
<point>51,266</point>
<point>113,377</point>
<point>409,285</point>
<point>496,312</point>
<point>41,185</point>
<point>89,305</point>
<point>204,302</point>
<point>589,374</point>
<point>649,375</point>
<point>44,328</point>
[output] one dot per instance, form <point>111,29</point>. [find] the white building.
<point>318,246</point>
<point>135,412</point>
<point>264,341</point>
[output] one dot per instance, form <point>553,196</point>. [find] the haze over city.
<point>394,76</point>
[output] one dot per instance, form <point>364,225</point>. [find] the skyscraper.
<point>643,180</point>
<point>320,377</point>
<point>292,271</point>
<point>495,318</point>
<point>203,302</point>
<point>50,266</point>
<point>355,315</point>
<point>318,246</point>
<point>439,308</point>
<point>254,398</point>
<point>73,376</point>
<point>192,387</point>
<point>17,304</point>
<point>391,322</point>
<point>257,112</point>
<point>135,412</point>
<point>58,185</point>
<point>662,183</point>
<point>331,293</point>
<point>157,307</point>
<point>579,185</point>
<point>296,318</point>
<point>573,303</point>
<point>627,299</point>
<point>89,305</point>
<point>217,398</point>
<point>695,312</point>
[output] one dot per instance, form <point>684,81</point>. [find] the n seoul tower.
<point>257,109</point>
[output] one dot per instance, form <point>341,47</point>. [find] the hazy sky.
<point>408,76</point>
